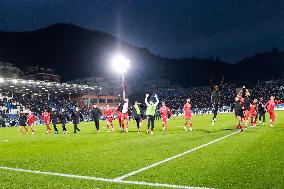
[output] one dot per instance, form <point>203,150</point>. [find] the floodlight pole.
<point>123,87</point>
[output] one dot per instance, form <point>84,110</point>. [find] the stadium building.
<point>42,74</point>
<point>10,71</point>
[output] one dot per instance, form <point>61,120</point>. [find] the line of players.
<point>249,110</point>
<point>123,111</point>
<point>28,120</point>
<point>245,109</point>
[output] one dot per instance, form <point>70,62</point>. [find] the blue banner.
<point>280,105</point>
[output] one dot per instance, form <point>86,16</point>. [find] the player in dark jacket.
<point>54,117</point>
<point>63,119</point>
<point>238,107</point>
<point>215,99</point>
<point>136,114</point>
<point>245,99</point>
<point>96,114</point>
<point>76,119</point>
<point>261,111</point>
<point>23,123</point>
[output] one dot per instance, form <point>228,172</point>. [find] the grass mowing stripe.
<point>101,179</point>
<point>171,158</point>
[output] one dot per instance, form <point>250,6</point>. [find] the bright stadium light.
<point>121,65</point>
<point>1,80</point>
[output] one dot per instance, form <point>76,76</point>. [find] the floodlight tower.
<point>121,65</point>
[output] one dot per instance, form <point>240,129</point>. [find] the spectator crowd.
<point>200,97</point>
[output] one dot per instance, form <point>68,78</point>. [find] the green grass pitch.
<point>251,159</point>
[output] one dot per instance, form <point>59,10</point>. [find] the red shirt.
<point>164,110</point>
<point>252,108</point>
<point>270,105</point>
<point>108,112</point>
<point>46,116</point>
<point>186,108</point>
<point>31,118</point>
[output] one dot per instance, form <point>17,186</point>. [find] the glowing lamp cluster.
<point>120,64</point>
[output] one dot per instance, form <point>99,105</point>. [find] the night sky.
<point>229,29</point>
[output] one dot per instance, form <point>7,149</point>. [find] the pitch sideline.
<point>101,179</point>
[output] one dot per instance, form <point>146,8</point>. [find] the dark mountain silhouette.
<point>75,53</point>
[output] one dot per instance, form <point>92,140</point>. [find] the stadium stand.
<point>20,95</point>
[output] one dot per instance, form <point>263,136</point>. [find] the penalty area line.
<point>101,179</point>
<point>172,158</point>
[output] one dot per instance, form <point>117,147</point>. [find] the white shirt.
<point>125,107</point>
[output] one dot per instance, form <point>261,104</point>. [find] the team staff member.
<point>23,123</point>
<point>215,99</point>
<point>62,116</point>
<point>76,119</point>
<point>96,114</point>
<point>261,111</point>
<point>53,116</point>
<point>136,113</point>
<point>238,107</point>
<point>150,112</point>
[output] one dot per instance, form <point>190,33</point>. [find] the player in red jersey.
<point>244,96</point>
<point>119,115</point>
<point>165,111</point>
<point>187,115</point>
<point>253,112</point>
<point>125,115</point>
<point>270,105</point>
<point>46,118</point>
<point>246,103</point>
<point>31,121</point>
<point>109,115</point>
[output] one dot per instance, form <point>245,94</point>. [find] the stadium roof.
<point>44,87</point>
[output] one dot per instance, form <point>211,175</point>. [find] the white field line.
<point>101,179</point>
<point>4,140</point>
<point>171,158</point>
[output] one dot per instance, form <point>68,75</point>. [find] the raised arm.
<point>146,102</point>
<point>211,84</point>
<point>157,100</point>
<point>221,83</point>
<point>241,92</point>
<point>247,91</point>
